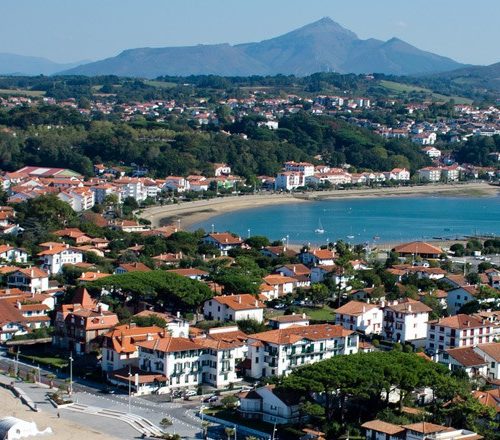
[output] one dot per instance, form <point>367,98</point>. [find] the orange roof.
<point>492,350</point>
<point>386,428</point>
<point>418,248</point>
<point>294,334</point>
<point>92,276</point>
<point>243,301</point>
<point>355,308</point>
<point>278,279</point>
<point>466,356</point>
<point>123,338</point>
<point>489,398</point>
<point>135,267</point>
<point>83,298</point>
<point>33,272</point>
<point>225,238</point>
<point>410,306</point>
<point>324,254</point>
<point>427,428</point>
<point>461,321</point>
<point>169,344</point>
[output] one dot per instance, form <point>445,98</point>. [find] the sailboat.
<point>350,236</point>
<point>319,229</point>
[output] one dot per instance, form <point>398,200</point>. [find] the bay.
<point>365,220</point>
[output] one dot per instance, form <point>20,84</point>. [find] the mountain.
<point>317,47</point>
<point>487,77</point>
<point>12,64</point>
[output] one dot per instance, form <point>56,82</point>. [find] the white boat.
<point>319,229</point>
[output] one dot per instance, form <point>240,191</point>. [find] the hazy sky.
<point>71,30</point>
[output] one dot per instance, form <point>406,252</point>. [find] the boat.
<point>319,229</point>
<point>350,237</point>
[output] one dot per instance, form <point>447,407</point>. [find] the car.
<point>210,399</point>
<point>108,390</point>
<point>190,393</point>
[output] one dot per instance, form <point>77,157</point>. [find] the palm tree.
<point>229,432</point>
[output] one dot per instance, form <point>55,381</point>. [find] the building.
<point>318,257</point>
<point>457,331</point>
<point>432,152</point>
<point>223,241</point>
<point>12,322</point>
<point>430,174</point>
<point>281,285</point>
<point>464,358</point>
<point>305,168</point>
<point>278,352</point>
<point>457,298</point>
<point>288,181</point>
<point>234,308</point>
<point>80,199</point>
<point>270,405</point>
<point>31,279</point>
<point>285,321</point>
<point>406,322</point>
<point>119,348</point>
<point>221,169</point>
<point>131,267</point>
<point>418,248</point>
<point>491,354</point>
<point>379,430</point>
<point>359,316</point>
<point>80,326</point>
<point>13,254</point>
<point>55,256</point>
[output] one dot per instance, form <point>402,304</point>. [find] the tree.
<point>257,242</point>
<point>250,326</point>
<point>473,278</point>
<point>229,432</point>
<point>318,293</point>
<point>165,422</point>
<point>458,249</point>
<point>230,402</point>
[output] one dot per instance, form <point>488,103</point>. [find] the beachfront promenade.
<point>189,213</point>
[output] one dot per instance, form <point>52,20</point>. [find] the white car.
<point>190,393</point>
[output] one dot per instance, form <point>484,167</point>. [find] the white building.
<point>430,174</point>
<point>234,308</point>
<point>132,187</point>
<point>406,322</point>
<point>432,152</point>
<point>361,317</point>
<point>457,331</point>
<point>305,168</point>
<point>13,254</point>
<point>278,352</point>
<point>460,296</point>
<point>318,257</point>
<point>80,199</point>
<point>398,174</point>
<point>222,169</point>
<point>491,354</point>
<point>289,180</point>
<point>56,256</point>
<point>31,279</point>
<point>464,358</point>
<point>223,241</point>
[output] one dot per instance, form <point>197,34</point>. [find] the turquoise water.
<point>360,220</point>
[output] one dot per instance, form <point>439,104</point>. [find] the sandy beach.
<point>63,429</point>
<point>189,213</point>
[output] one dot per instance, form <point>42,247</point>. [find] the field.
<point>402,89</point>
<point>160,84</point>
<point>20,92</point>
<point>324,313</point>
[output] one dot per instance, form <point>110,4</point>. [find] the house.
<point>277,252</point>
<point>131,267</point>
<point>337,274</point>
<point>277,352</point>
<point>432,152</point>
<point>168,259</point>
<point>13,254</point>
<point>192,273</point>
<point>359,316</point>
<point>270,405</point>
<point>406,321</point>
<point>223,241</point>
<point>288,181</point>
<point>464,358</point>
<point>86,277</point>
<point>285,321</point>
<point>450,173</point>
<point>30,279</point>
<point>12,322</point>
<point>318,257</point>
<point>301,273</point>
<point>281,285</point>
<point>55,256</point>
<point>74,234</point>
<point>35,313</point>
<point>379,430</point>
<point>457,298</point>
<point>491,354</point>
<point>221,169</point>
<point>489,398</point>
<point>418,248</point>
<point>119,348</point>
<point>234,308</point>
<point>457,331</point>
<point>398,174</point>
<point>80,326</point>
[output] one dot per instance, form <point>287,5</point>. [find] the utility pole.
<point>274,431</point>
<point>16,371</point>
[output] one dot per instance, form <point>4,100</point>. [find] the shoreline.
<point>190,213</point>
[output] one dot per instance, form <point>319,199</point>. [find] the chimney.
<point>178,314</point>
<point>364,308</point>
<point>132,325</point>
<point>256,303</point>
<point>239,299</point>
<point>304,316</point>
<point>409,307</point>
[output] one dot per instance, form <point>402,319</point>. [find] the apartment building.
<point>406,322</point>
<point>360,316</point>
<point>278,352</point>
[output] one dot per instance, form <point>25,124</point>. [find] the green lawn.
<point>51,360</point>
<point>319,314</point>
<point>160,84</point>
<point>400,88</point>
<point>20,92</point>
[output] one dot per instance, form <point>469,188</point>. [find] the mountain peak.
<point>326,24</point>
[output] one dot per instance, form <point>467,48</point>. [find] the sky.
<point>74,30</point>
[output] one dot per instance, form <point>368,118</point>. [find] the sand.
<point>188,213</point>
<point>62,429</point>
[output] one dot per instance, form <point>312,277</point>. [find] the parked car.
<point>190,393</point>
<point>210,399</point>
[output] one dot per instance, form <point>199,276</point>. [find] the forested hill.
<point>53,136</point>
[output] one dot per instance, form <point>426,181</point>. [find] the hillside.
<point>12,64</point>
<point>487,77</point>
<point>322,46</point>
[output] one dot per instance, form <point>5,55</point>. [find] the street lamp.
<point>17,361</point>
<point>129,388</point>
<point>71,374</point>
